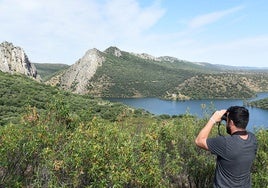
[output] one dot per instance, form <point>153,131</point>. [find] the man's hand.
<point>201,139</point>
<point>217,115</point>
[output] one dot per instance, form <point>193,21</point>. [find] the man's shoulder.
<point>216,140</point>
<point>252,137</point>
<point>251,134</point>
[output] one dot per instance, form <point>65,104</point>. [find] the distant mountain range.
<point>117,73</point>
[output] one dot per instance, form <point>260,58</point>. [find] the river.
<point>258,117</point>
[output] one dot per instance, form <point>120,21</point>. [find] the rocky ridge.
<point>146,56</point>
<point>14,60</point>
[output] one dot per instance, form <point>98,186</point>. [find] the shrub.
<point>138,151</point>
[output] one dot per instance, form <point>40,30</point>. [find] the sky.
<point>227,32</point>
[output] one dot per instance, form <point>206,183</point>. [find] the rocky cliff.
<point>14,60</point>
<point>77,76</point>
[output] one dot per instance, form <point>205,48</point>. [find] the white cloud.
<point>209,18</point>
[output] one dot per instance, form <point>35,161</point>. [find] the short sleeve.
<point>217,145</point>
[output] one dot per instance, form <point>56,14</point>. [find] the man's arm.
<point>201,139</point>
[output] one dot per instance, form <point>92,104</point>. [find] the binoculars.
<point>224,117</point>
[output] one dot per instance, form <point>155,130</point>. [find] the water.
<point>258,117</point>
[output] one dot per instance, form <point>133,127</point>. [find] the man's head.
<point>239,115</point>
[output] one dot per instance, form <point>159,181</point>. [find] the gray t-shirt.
<point>234,159</point>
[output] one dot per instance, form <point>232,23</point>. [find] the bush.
<point>260,166</point>
<point>43,151</point>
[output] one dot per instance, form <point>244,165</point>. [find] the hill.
<point>262,103</point>
<point>116,73</point>
<point>19,94</point>
<point>48,70</point>
<point>224,85</point>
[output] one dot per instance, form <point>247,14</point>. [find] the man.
<point>235,152</point>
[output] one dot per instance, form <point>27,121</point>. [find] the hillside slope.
<point>223,85</point>
<point>48,70</point>
<point>262,103</point>
<point>19,94</point>
<point>116,73</point>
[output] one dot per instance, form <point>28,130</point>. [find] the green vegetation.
<point>48,70</point>
<point>263,103</point>
<point>52,138</point>
<point>129,75</point>
<point>137,151</point>
<point>19,92</point>
<point>223,86</point>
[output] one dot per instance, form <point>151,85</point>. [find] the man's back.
<point>234,159</point>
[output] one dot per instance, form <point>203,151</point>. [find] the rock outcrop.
<point>14,60</point>
<point>77,76</point>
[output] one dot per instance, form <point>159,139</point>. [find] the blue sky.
<point>228,32</point>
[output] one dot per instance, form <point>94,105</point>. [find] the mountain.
<point>14,60</point>
<point>76,77</point>
<point>116,73</point>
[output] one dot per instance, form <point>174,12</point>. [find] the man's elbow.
<point>202,143</point>
<point>197,141</point>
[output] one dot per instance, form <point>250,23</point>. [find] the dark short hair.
<point>239,115</point>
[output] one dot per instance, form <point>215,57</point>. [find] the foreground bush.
<point>45,151</point>
<point>260,168</point>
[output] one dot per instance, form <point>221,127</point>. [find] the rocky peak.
<point>14,60</point>
<point>76,77</point>
<point>113,50</point>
